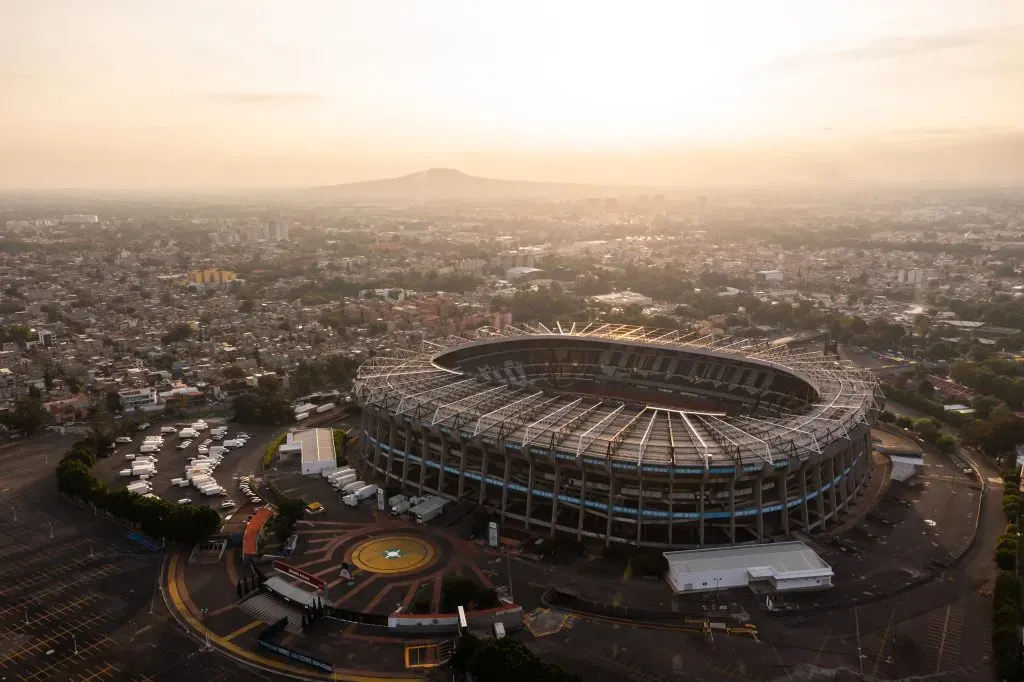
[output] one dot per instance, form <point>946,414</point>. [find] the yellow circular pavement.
<point>393,554</point>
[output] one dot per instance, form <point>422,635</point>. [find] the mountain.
<point>447,183</point>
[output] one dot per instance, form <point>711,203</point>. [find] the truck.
<point>429,509</point>
<point>336,471</point>
<point>353,486</point>
<point>343,480</point>
<point>125,472</point>
<point>169,430</point>
<point>399,504</point>
<point>149,447</point>
<point>188,434</point>
<point>354,498</point>
<point>326,473</point>
<point>231,444</point>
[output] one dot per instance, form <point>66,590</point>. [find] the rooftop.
<point>784,557</point>
<point>317,444</point>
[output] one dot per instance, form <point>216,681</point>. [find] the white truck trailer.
<point>352,499</point>
<point>343,480</point>
<point>353,486</point>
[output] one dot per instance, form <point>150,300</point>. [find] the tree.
<point>983,406</point>
<point>505,660</point>
<point>456,591</point>
<point>925,388</point>
<point>179,332</point>
<point>112,402</point>
<point>233,372</point>
<point>263,406</point>
<point>886,417</point>
<point>29,415</point>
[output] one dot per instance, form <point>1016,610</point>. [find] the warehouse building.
<point>777,567</point>
<point>315,447</point>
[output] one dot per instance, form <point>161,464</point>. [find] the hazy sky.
<point>107,93</point>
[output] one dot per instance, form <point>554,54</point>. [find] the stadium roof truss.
<point>410,382</point>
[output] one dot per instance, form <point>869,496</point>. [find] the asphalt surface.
<point>78,601</point>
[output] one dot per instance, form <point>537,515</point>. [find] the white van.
<point>169,430</point>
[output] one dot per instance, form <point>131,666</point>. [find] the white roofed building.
<point>316,447</point>
<point>777,567</point>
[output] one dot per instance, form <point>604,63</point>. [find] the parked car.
<point>123,439</point>
<point>183,445</point>
<point>227,504</point>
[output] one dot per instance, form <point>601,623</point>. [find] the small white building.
<point>316,447</point>
<point>777,567</point>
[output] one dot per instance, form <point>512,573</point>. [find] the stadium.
<point>624,434</point>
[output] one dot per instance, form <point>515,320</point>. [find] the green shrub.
<point>1006,558</point>
<point>271,452</point>
<point>904,422</point>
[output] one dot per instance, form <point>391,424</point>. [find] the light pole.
<point>26,615</point>
<point>717,581</point>
<point>206,631</point>
<point>153,598</point>
<point>508,558</point>
<point>75,642</point>
<point>14,512</point>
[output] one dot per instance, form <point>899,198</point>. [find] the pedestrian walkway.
<point>270,609</point>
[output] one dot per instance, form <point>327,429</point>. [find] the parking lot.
<point>78,601</point>
<point>236,463</point>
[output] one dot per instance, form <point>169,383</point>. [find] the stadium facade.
<point>625,434</point>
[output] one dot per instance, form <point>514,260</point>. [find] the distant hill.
<point>448,183</point>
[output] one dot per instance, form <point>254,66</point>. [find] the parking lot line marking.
<point>817,656</point>
<point>242,630</point>
<point>882,645</point>
<point>942,640</point>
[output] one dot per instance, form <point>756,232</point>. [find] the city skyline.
<point>110,94</point>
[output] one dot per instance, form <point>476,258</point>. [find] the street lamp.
<point>206,631</point>
<point>508,556</point>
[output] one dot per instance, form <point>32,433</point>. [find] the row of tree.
<point>505,660</point>
<point>186,523</point>
<point>1006,598</point>
<point>994,376</point>
<point>928,428</point>
<point>995,430</point>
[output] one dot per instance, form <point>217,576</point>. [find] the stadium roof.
<point>504,401</point>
